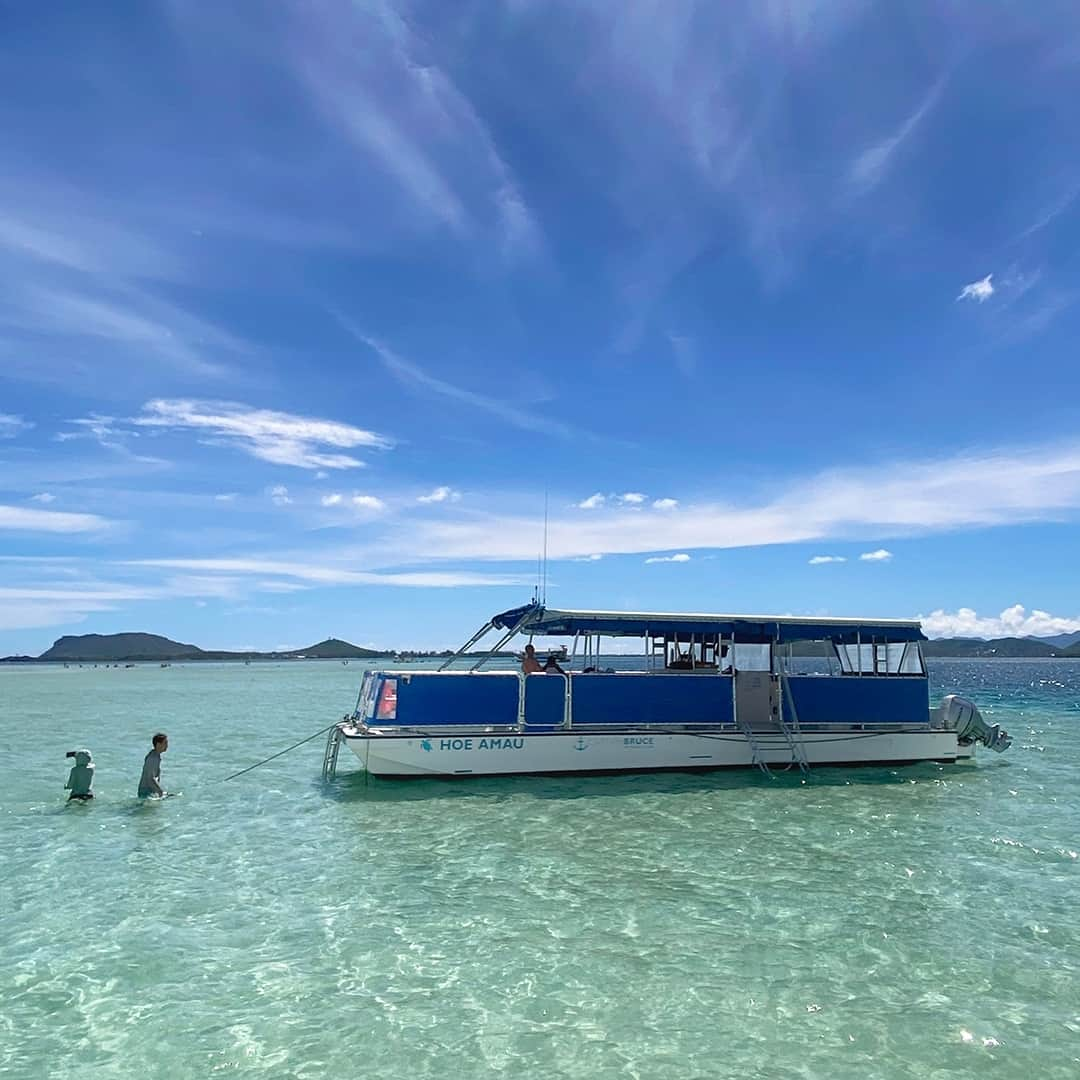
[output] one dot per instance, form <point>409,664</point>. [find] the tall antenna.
<point>543,593</point>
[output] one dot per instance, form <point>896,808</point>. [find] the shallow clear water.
<point>911,922</point>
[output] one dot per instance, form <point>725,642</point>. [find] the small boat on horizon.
<point>706,692</point>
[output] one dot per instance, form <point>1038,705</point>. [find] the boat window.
<point>753,657</point>
<point>881,658</point>
<point>387,705</point>
<point>689,652</point>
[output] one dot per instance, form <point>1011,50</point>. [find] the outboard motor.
<point>81,777</point>
<point>960,715</point>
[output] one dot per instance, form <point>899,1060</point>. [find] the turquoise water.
<point>914,922</point>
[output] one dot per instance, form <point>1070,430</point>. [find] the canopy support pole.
<point>468,645</point>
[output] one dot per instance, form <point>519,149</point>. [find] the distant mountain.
<point>997,647</point>
<point>1062,641</point>
<point>110,648</point>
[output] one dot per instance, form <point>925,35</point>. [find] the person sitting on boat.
<point>552,665</point>
<point>529,664</point>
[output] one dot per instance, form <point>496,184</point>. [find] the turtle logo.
<point>425,744</point>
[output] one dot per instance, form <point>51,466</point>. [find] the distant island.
<point>1066,645</point>
<point>136,648</point>
<point>145,648</point>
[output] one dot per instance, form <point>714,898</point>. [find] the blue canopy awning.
<point>750,629</point>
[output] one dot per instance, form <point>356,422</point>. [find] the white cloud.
<point>226,497</point>
<point>102,429</point>
<point>1015,621</point>
<point>881,555</point>
<point>326,573</point>
<point>665,504</point>
<point>631,498</point>
<point>10,426</point>
<point>279,495</point>
<point>22,519</point>
<point>278,437</point>
<point>367,502</point>
<point>43,497</point>
<point>440,494</point>
<point>978,290</point>
<point>681,557</point>
<point>1006,486</point>
<point>334,499</point>
<point>593,502</point>
<point>821,560</point>
<point>589,558</point>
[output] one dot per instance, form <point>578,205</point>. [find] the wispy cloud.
<point>631,498</point>
<point>279,495</point>
<point>24,519</point>
<point>1008,486</point>
<point>685,351</point>
<point>875,162</point>
<point>323,573</point>
<point>10,426</point>
<point>1015,621</point>
<point>680,558</point>
<point>379,85</point>
<point>593,502</point>
<point>440,495</point>
<point>821,560</point>
<point>415,378</point>
<point>334,499</point>
<point>880,555</point>
<point>277,437</point>
<point>368,502</point>
<point>44,497</point>
<point>125,318</point>
<point>1053,210</point>
<point>979,291</point>
<point>665,504</point>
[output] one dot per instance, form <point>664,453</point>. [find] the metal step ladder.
<point>793,736</point>
<point>755,751</point>
<point>330,754</point>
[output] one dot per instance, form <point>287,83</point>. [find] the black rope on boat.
<point>280,753</point>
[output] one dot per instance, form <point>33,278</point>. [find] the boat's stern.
<point>958,714</point>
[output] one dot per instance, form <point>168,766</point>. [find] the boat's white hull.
<point>488,754</point>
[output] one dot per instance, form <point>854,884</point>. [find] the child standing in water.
<point>150,781</point>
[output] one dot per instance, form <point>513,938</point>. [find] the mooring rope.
<point>280,753</point>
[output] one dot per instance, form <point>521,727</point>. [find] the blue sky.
<point>304,308</point>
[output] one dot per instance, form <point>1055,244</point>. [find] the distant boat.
<point>165,663</point>
<point>129,665</point>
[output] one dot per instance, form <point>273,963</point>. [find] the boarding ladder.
<point>792,735</point>
<point>330,754</point>
<point>755,751</point>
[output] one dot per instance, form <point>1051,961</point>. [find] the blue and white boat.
<point>708,692</point>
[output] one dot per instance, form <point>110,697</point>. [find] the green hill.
<point>82,647</point>
<point>109,648</point>
<point>334,649</point>
<point>1017,648</point>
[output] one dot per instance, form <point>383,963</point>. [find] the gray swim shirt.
<point>150,781</point>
